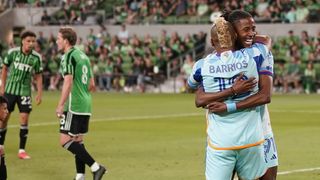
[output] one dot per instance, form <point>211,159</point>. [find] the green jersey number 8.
<point>84,76</point>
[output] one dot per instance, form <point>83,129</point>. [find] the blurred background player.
<point>74,107</point>
<point>22,63</point>
<point>3,115</point>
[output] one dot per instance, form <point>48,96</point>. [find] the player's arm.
<point>4,74</point>
<point>38,79</point>
<point>240,86</point>
<point>66,89</point>
<point>92,85</point>
<point>262,97</point>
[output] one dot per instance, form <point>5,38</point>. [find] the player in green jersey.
<point>22,63</point>
<point>74,107</point>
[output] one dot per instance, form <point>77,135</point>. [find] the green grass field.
<point>157,137</point>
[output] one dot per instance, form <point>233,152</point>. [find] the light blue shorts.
<point>249,163</point>
<point>270,152</point>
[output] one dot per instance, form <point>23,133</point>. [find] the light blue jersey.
<point>215,73</point>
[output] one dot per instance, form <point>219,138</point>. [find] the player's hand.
<point>217,107</point>
<point>59,111</point>
<point>38,99</point>
<point>241,86</point>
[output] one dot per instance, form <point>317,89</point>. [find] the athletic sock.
<point>3,132</point>
<point>3,168</point>
<point>80,151</point>
<point>23,136</point>
<point>79,176</point>
<point>80,165</point>
<point>95,166</point>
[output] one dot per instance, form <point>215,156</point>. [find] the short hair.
<point>3,100</point>
<point>235,15</point>
<point>223,33</point>
<point>27,33</point>
<point>69,34</point>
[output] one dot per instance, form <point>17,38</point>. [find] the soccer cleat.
<point>97,175</point>
<point>23,155</point>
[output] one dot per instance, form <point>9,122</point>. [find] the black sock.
<point>79,151</point>
<point>3,169</point>
<point>80,165</point>
<point>23,136</point>
<point>3,133</point>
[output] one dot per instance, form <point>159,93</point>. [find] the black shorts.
<point>73,124</point>
<point>24,103</point>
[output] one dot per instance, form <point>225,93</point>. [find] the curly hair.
<point>224,32</point>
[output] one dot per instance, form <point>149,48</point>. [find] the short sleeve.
<point>38,66</point>
<point>195,78</point>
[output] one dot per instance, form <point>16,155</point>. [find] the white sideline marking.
<point>293,171</point>
<point>298,170</point>
<point>295,111</point>
<point>56,121</point>
<point>149,117</point>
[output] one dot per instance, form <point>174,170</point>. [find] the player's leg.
<point>3,168</point>
<point>219,164</point>
<point>73,125</point>
<point>80,165</point>
<point>251,163</point>
<point>271,158</point>
<point>25,107</point>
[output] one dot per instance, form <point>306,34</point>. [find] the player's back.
<point>78,64</point>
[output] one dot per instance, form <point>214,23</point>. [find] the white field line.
<point>293,171</point>
<point>55,120</point>
<point>296,111</point>
<point>298,170</point>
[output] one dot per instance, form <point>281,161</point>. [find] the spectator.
<point>123,34</point>
<point>45,18</point>
<point>309,78</point>
<point>186,70</point>
<point>278,81</point>
<point>292,75</point>
<point>291,16</point>
<point>302,13</point>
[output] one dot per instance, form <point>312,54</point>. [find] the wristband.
<point>231,107</point>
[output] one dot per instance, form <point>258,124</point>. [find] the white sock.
<point>21,150</point>
<point>95,166</point>
<point>80,176</point>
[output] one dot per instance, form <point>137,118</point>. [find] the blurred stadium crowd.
<point>128,62</point>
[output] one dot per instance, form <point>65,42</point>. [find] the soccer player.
<point>74,107</point>
<point>234,138</point>
<point>22,63</point>
<point>245,27</point>
<point>3,115</point>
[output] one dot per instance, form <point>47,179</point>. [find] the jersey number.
<point>84,76</point>
<point>230,81</point>
<point>25,100</point>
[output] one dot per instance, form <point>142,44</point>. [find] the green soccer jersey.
<point>21,68</point>
<point>77,64</point>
